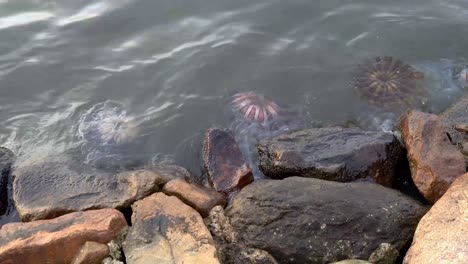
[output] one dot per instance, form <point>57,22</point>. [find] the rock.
<point>336,154</point>
<point>434,162</point>
<point>230,249</point>
<point>58,240</point>
<point>455,120</point>
<point>461,127</point>
<point>165,230</point>
<point>91,253</point>
<point>441,235</point>
<point>6,160</point>
<point>306,220</point>
<point>198,197</point>
<point>226,168</point>
<point>384,254</point>
<point>53,187</point>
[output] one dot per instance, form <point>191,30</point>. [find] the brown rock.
<point>441,235</point>
<point>58,185</point>
<point>198,197</point>
<point>57,240</point>
<point>462,127</point>
<point>226,168</point>
<point>434,162</point>
<point>91,253</point>
<point>165,230</point>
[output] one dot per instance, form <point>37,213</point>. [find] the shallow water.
<point>174,64</point>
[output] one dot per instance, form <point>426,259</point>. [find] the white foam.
<point>22,19</point>
<point>88,12</point>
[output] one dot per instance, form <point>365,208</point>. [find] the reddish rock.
<point>60,239</point>
<point>226,168</point>
<point>434,162</point>
<point>165,230</point>
<point>198,197</point>
<point>91,253</point>
<point>441,235</point>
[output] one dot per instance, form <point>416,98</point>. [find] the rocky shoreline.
<point>332,195</point>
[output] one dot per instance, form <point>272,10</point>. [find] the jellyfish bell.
<point>117,130</point>
<point>109,138</point>
<point>255,107</point>
<point>389,83</point>
<point>108,124</point>
<point>259,117</point>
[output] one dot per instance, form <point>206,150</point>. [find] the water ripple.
<point>22,19</point>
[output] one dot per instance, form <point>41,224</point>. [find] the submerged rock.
<point>226,168</point>
<point>441,235</point>
<point>165,230</point>
<point>336,154</point>
<point>198,197</point>
<point>434,162</point>
<point>56,186</point>
<point>58,240</point>
<point>6,160</point>
<point>301,220</point>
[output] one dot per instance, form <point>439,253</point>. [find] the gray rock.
<point>55,186</point>
<point>384,254</point>
<point>230,249</point>
<point>301,220</point>
<point>454,119</point>
<point>337,154</point>
<point>6,160</point>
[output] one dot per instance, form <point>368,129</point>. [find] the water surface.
<point>174,64</point>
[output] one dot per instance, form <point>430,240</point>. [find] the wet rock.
<point>53,187</point>
<point>198,197</point>
<point>230,249</point>
<point>455,120</point>
<point>384,254</point>
<point>60,239</point>
<point>226,168</point>
<point>441,236</point>
<point>303,220</point>
<point>434,162</point>
<point>6,160</point>
<point>165,230</point>
<point>91,253</point>
<point>336,154</point>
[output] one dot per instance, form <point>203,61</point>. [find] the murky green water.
<point>174,64</point>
